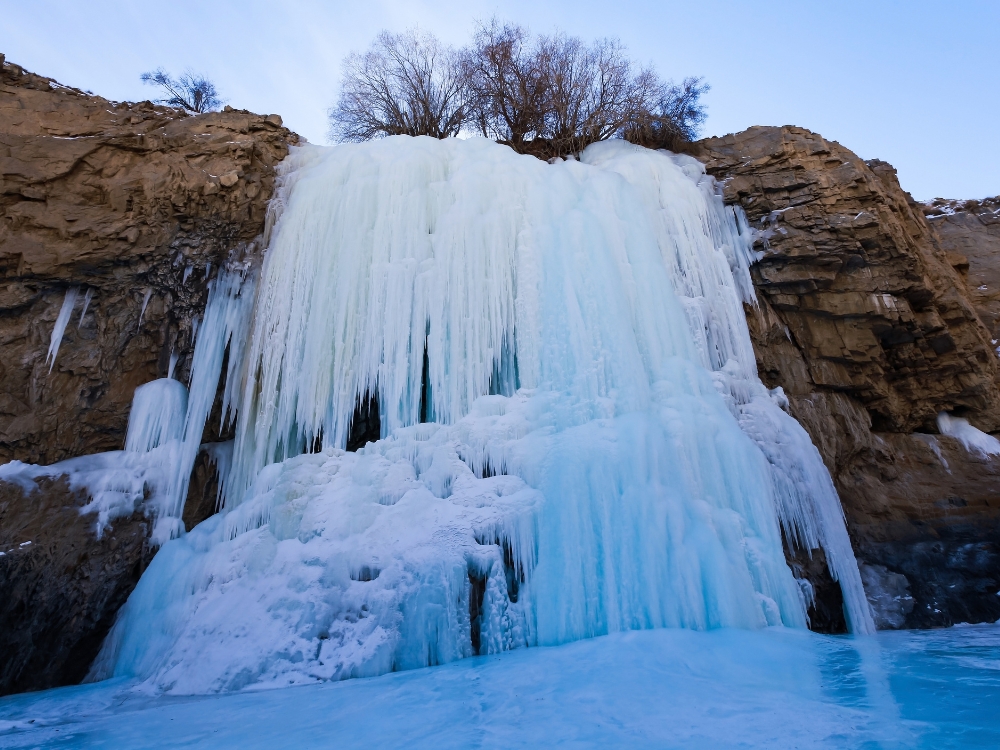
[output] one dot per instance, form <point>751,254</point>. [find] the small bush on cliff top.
<point>405,84</point>
<point>190,91</point>
<point>544,95</point>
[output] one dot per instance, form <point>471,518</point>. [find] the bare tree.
<point>190,91</point>
<point>547,96</point>
<point>592,92</point>
<point>405,84</point>
<point>507,79</point>
<point>674,117</point>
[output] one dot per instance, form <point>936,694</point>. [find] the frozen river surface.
<point>777,688</point>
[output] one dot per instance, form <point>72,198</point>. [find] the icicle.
<point>157,415</point>
<point>173,364</point>
<point>145,301</point>
<point>86,303</point>
<point>187,273</point>
<point>226,314</point>
<point>60,327</point>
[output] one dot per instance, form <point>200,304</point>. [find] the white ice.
<point>62,320</point>
<point>157,415</point>
<point>599,454</point>
<point>773,688</point>
<point>974,440</point>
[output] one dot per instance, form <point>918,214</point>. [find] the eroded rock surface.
<point>867,322</point>
<point>970,232</point>
<point>60,584</point>
<point>136,206</point>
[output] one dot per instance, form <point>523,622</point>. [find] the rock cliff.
<point>970,234</point>
<point>133,206</point>
<point>867,322</point>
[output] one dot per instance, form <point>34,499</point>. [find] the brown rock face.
<point>970,234</point>
<point>136,206</point>
<point>866,321</point>
<point>60,586</point>
<point>134,203</point>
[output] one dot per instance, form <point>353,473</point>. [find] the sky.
<point>913,83</point>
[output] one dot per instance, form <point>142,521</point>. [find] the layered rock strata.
<point>867,322</point>
<point>133,206</point>
<point>970,234</point>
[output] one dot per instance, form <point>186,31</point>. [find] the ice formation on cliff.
<point>62,319</point>
<point>574,437</point>
<point>973,439</point>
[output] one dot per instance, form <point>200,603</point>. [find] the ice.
<point>145,301</point>
<point>86,304</point>
<point>115,481</point>
<point>974,440</point>
<point>226,317</point>
<point>165,428</point>
<point>575,441</point>
<point>62,320</point>
<point>772,688</point>
<point>157,415</point>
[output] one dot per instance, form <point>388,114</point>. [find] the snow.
<point>114,481</point>
<point>774,688</point>
<point>600,455</point>
<point>62,320</point>
<point>974,440</point>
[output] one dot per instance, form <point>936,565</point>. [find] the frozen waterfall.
<point>574,440</point>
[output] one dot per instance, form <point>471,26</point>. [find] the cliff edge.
<point>130,208</point>
<point>867,320</point>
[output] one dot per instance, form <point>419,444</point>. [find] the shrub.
<point>191,91</point>
<point>507,82</point>
<point>547,95</point>
<point>405,84</point>
<point>673,119</point>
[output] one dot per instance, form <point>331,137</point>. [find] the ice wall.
<point>598,452</point>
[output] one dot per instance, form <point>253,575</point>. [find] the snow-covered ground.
<point>776,688</point>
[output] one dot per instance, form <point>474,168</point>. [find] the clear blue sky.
<point>914,83</point>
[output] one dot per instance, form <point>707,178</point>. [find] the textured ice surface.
<point>974,440</point>
<point>774,688</point>
<point>598,453</point>
<point>157,415</point>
